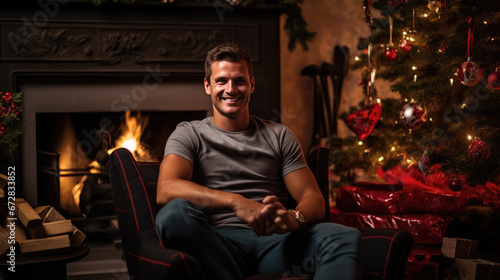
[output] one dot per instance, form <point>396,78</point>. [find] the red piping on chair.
<point>393,240</point>
<point>184,260</point>
<point>121,210</point>
<point>387,258</point>
<point>149,260</point>
<point>144,189</point>
<point>129,193</point>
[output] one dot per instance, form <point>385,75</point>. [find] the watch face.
<point>300,216</point>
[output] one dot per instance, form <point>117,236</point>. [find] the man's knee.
<point>177,217</point>
<point>338,238</point>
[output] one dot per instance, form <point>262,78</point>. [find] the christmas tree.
<point>448,113</point>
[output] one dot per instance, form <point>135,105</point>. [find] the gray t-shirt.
<point>252,162</point>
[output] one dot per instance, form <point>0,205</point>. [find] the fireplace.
<point>91,63</point>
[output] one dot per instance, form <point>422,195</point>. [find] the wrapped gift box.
<point>477,269</point>
<point>425,228</point>
<point>377,201</point>
<point>459,248</point>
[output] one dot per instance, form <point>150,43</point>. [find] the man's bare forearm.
<point>205,198</point>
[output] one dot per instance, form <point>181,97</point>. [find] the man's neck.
<point>230,124</point>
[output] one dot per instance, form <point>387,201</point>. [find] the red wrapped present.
<point>404,201</point>
<point>425,228</point>
<point>379,186</point>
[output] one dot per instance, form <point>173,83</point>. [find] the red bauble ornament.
<point>456,184</point>
<point>470,73</point>
<point>494,79</point>
<point>413,116</point>
<point>478,151</point>
<point>405,45</point>
<point>390,53</point>
<point>363,121</point>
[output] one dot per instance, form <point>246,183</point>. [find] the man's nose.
<point>230,88</point>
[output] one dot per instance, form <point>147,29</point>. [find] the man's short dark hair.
<point>227,52</point>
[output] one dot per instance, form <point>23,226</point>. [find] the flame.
<point>130,138</point>
<point>132,130</point>
<point>72,157</point>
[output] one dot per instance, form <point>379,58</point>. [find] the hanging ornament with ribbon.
<point>409,37</point>
<point>390,52</point>
<point>470,73</point>
<point>362,122</point>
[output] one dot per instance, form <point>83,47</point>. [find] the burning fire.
<point>132,130</point>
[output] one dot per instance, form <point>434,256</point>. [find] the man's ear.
<point>207,87</point>
<point>252,85</point>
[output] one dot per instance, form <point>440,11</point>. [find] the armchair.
<point>385,251</point>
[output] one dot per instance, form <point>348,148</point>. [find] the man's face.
<point>230,88</point>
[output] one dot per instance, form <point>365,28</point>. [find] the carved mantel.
<point>110,44</point>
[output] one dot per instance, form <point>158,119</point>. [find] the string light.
<point>469,137</point>
<point>357,58</point>
<point>451,81</point>
<point>393,149</point>
<point>381,158</point>
<point>360,143</point>
<point>426,15</point>
<point>485,22</point>
<point>378,100</point>
<point>415,78</point>
<point>414,68</point>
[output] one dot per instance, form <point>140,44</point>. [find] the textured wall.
<point>336,22</point>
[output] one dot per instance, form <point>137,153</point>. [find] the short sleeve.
<point>182,142</point>
<point>292,155</point>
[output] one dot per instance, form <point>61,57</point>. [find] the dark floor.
<point>105,261</point>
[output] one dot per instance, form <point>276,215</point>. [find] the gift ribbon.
<point>445,45</point>
<point>471,22</point>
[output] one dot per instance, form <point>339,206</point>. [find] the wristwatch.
<point>299,216</point>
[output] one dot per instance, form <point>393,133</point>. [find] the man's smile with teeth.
<point>233,99</point>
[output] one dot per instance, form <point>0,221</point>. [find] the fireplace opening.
<point>73,148</point>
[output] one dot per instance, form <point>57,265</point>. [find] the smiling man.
<point>225,182</point>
